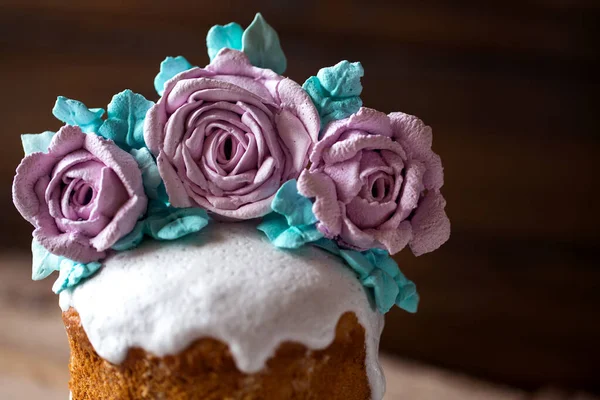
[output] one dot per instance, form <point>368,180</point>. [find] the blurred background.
<point>509,305</point>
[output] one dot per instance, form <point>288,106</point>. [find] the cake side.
<point>206,370</point>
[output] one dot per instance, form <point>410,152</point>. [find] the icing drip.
<point>228,282</point>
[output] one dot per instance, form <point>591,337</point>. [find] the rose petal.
<point>366,215</point>
<point>297,140</point>
<point>393,240</point>
<point>371,122</point>
<point>178,196</point>
<point>430,224</point>
<point>346,176</point>
<point>317,185</point>
<point>417,138</point>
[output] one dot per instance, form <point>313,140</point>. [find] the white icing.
<point>229,283</point>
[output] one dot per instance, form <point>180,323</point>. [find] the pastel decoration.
<point>261,44</point>
<point>227,136</point>
<point>224,36</point>
<point>153,184</point>
<point>336,90</point>
<point>43,262</point>
<point>82,195</point>
<point>72,273</point>
<point>164,223</point>
<point>170,67</point>
<point>380,273</point>
<point>376,183</point>
<point>36,142</point>
<point>73,112</point>
<point>125,122</point>
<point>292,224</point>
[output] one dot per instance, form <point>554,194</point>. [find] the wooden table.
<point>34,351</point>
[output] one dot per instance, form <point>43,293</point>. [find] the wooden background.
<point>508,88</point>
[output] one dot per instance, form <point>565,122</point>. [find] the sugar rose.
<point>227,136</point>
<point>82,195</point>
<point>376,184</point>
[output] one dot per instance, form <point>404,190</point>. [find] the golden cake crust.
<point>206,370</point>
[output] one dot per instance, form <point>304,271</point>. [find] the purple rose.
<point>376,184</point>
<point>81,196</point>
<point>227,136</point>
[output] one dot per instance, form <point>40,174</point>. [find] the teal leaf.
<point>343,79</point>
<point>296,208</point>
<point>292,224</point>
<point>44,262</point>
<point>358,262</point>
<point>73,112</point>
<point>379,273</point>
<point>282,235</point>
<point>132,239</point>
<point>261,44</point>
<point>37,142</point>
<point>173,223</point>
<point>384,288</point>
<point>125,123</point>
<point>170,67</point>
<point>224,36</point>
<point>153,183</point>
<point>72,273</point>
<point>408,298</point>
<point>164,222</point>
<point>336,90</point>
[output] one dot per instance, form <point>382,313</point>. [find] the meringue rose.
<point>227,136</point>
<point>82,195</point>
<point>376,184</point>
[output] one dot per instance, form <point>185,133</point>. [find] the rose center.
<point>84,195</point>
<point>228,148</point>
<point>380,188</point>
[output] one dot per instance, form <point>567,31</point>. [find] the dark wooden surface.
<point>508,88</point>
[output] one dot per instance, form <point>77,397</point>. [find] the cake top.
<point>236,141</point>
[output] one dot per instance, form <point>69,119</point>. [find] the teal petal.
<point>261,44</point>
<point>343,79</point>
<point>174,223</point>
<point>164,222</point>
<point>273,225</point>
<point>408,298</point>
<point>125,123</point>
<point>335,91</point>
<point>284,236</point>
<point>37,142</point>
<point>73,112</point>
<point>382,260</point>
<point>328,245</point>
<point>358,262</point>
<point>296,208</point>
<point>384,288</point>
<point>170,67</point>
<point>44,262</point>
<point>153,183</point>
<point>132,239</point>
<point>224,36</point>
<point>293,224</point>
<point>72,273</point>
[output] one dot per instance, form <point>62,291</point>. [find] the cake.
<point>232,240</point>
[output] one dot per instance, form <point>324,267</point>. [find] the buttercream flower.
<point>227,136</point>
<point>376,183</point>
<point>82,195</point>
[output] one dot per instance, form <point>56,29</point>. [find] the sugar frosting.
<point>227,282</point>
